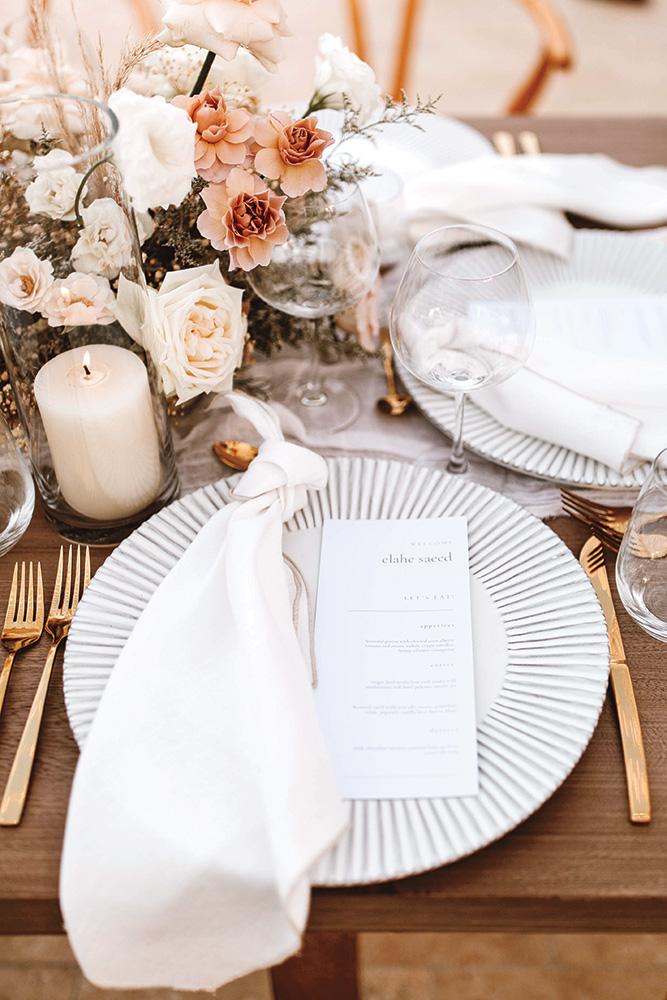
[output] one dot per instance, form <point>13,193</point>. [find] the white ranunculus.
<point>193,329</point>
<point>79,300</point>
<point>53,192</point>
<point>105,243</point>
<point>341,74</point>
<point>154,149</point>
<point>25,280</point>
<point>221,26</point>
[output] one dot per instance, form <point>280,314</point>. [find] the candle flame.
<point>86,364</point>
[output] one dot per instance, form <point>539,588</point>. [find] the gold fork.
<point>24,620</point>
<point>614,519</point>
<point>609,524</point>
<point>505,144</point>
<point>63,606</point>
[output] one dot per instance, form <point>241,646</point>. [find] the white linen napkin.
<point>525,196</point>
<point>204,793</point>
<point>608,407</point>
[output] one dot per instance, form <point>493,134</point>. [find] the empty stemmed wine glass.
<point>328,264</point>
<point>462,317</point>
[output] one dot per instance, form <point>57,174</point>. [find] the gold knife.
<point>592,559</point>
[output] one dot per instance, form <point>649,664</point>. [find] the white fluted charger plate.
<point>601,264</point>
<point>541,654</point>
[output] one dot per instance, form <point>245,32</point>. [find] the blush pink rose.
<point>222,137</point>
<point>292,151</point>
<point>244,217</point>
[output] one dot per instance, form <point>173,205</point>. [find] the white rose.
<point>79,300</point>
<point>25,280</point>
<point>340,73</point>
<point>154,149</point>
<point>23,118</point>
<point>193,329</point>
<point>145,226</point>
<point>53,191</point>
<point>105,243</point>
<point>221,26</point>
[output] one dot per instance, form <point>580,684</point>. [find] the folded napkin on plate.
<point>525,196</point>
<point>204,793</point>
<point>610,408</point>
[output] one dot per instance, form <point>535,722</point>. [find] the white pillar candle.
<point>101,432</point>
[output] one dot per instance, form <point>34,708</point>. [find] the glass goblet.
<point>462,317</point>
<point>328,263</point>
<point>17,493</point>
<point>641,566</point>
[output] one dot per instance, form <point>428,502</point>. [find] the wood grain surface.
<point>577,864</point>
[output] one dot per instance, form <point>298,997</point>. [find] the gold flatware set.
<point>608,525</point>
<point>592,560</point>
<point>506,145</point>
<point>24,622</point>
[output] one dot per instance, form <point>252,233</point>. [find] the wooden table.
<point>577,864</point>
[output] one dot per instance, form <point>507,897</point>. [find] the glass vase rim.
<point>101,147</point>
<point>494,234</point>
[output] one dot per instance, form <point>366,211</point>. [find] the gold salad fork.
<point>609,524</point>
<point>63,606</point>
<point>505,144</point>
<point>24,620</point>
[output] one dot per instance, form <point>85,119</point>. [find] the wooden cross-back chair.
<point>555,54</point>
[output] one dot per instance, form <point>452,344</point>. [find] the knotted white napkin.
<point>204,793</point>
<point>525,196</point>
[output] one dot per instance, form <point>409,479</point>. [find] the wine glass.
<point>462,316</point>
<point>328,264</point>
<point>17,493</point>
<point>641,567</point>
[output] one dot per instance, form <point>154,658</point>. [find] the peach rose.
<point>222,135</point>
<point>292,152</point>
<point>244,217</point>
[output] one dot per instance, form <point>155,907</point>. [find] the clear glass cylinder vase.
<point>88,397</point>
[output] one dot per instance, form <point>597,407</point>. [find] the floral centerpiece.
<point>208,170</point>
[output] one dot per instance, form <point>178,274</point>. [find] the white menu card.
<point>630,326</point>
<point>393,648</point>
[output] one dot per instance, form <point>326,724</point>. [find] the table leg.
<point>324,969</point>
